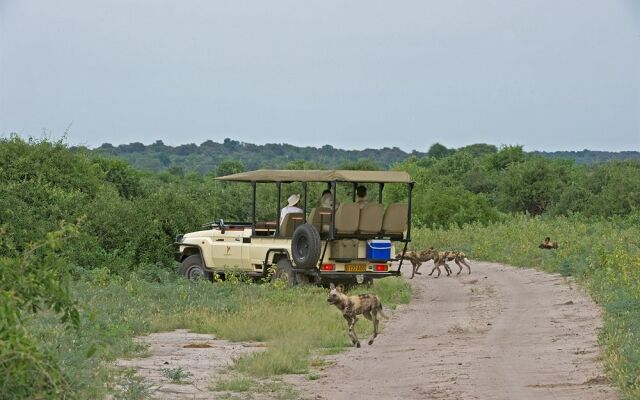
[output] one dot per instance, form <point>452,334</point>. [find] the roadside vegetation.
<point>86,259</point>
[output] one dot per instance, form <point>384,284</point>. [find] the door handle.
<point>237,239</point>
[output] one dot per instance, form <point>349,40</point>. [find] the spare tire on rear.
<point>305,246</point>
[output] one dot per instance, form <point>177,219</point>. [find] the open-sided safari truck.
<point>345,243</point>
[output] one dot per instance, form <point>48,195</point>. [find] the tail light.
<point>328,267</point>
<point>381,267</point>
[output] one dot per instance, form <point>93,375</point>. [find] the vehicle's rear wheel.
<point>193,270</point>
<point>305,246</point>
<point>284,272</point>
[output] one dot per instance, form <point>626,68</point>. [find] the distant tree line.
<point>209,155</point>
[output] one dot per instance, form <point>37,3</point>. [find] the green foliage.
<point>533,186</point>
<point>133,387</point>
<point>438,150</point>
<point>479,149</point>
<point>441,207</point>
<point>36,280</point>
<point>506,156</point>
<point>121,175</point>
<point>208,156</point>
<point>229,167</point>
<point>177,374</point>
<point>362,164</point>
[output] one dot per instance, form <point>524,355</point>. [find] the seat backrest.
<point>371,216</point>
<point>347,218</point>
<point>290,223</point>
<point>320,217</point>
<point>395,219</point>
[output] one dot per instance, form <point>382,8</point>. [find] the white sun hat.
<point>293,199</point>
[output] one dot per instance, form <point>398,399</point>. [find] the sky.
<point>548,75</point>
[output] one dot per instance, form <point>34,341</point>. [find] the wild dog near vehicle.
<point>368,305</point>
<point>416,258</point>
<point>458,257</point>
<point>439,259</point>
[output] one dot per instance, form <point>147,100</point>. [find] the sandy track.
<point>499,333</point>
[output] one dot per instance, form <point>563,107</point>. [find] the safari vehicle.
<point>346,243</point>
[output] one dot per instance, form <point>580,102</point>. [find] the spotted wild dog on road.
<point>439,259</point>
<point>458,257</point>
<point>416,258</point>
<point>368,305</point>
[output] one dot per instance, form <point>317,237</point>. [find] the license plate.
<point>355,267</point>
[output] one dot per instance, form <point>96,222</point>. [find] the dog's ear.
<point>340,288</point>
<point>332,286</point>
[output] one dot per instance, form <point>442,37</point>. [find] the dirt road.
<point>499,333</point>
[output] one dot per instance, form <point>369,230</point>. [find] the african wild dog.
<point>368,305</point>
<point>458,257</point>
<point>548,244</point>
<point>416,258</point>
<point>439,259</point>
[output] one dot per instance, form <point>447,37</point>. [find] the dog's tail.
<point>381,311</point>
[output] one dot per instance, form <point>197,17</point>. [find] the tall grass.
<point>292,322</point>
<point>603,256</point>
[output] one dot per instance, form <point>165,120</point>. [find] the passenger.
<point>326,200</point>
<point>361,196</point>
<point>292,206</point>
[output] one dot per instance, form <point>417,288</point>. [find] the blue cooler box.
<point>378,249</point>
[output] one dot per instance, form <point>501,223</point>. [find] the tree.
<point>534,185</point>
<point>438,151</point>
<point>506,156</point>
<point>363,164</point>
<point>229,167</point>
<point>479,149</point>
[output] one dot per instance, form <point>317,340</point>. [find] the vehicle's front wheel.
<point>193,270</point>
<point>284,272</point>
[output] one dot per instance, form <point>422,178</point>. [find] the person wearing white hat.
<point>291,207</point>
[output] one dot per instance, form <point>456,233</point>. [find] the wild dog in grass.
<point>458,257</point>
<point>548,244</point>
<point>368,305</point>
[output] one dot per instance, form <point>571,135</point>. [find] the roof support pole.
<point>333,210</point>
<point>353,191</point>
<point>304,205</point>
<point>410,186</point>
<point>253,208</point>
<point>380,189</point>
<point>278,187</point>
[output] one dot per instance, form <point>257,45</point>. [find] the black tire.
<point>305,246</point>
<point>193,270</point>
<point>284,271</point>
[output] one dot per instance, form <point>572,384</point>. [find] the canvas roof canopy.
<point>286,175</point>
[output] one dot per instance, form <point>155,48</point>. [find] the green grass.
<point>177,375</point>
<point>602,255</point>
<point>238,384</point>
<point>294,323</point>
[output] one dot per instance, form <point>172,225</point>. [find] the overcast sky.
<point>549,75</point>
